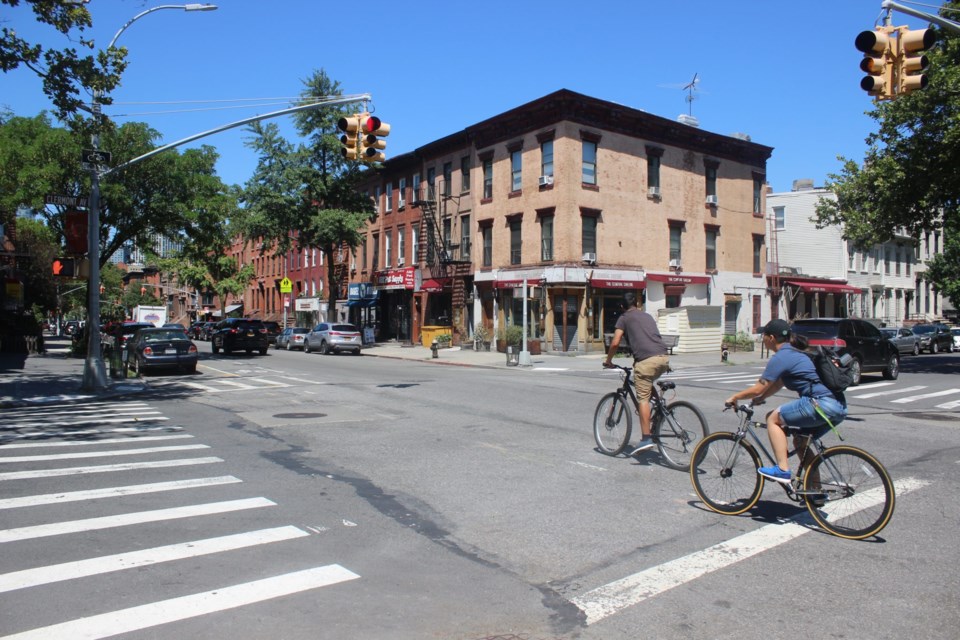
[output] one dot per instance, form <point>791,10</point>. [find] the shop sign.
<point>395,278</point>
<point>307,304</point>
<point>677,279</point>
<point>361,291</point>
<point>600,283</point>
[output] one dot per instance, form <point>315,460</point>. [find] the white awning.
<point>230,309</point>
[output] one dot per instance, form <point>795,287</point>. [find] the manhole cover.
<point>300,415</point>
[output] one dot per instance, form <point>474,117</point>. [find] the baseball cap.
<point>777,327</point>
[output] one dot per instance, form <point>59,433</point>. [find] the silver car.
<point>332,337</point>
<point>906,340</point>
<point>291,338</point>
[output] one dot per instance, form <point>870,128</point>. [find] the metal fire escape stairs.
<point>773,264</point>
<point>438,251</point>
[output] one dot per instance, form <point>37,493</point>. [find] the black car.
<point>239,334</point>
<point>70,328</point>
<point>273,330</point>
<point>163,348</point>
<point>934,337</point>
<point>193,331</point>
<point>872,352</point>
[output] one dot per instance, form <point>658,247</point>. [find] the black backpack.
<point>834,376</point>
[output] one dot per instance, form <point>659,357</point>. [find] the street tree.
<point>908,178</point>
<point>304,195</point>
<point>67,73</point>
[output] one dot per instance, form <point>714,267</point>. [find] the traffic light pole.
<point>889,5</point>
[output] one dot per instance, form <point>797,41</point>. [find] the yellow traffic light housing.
<point>912,64</point>
<point>371,146</point>
<point>878,62</point>
<point>350,125</point>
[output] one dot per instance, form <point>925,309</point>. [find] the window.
<point>516,242</point>
<point>465,237</point>
<point>363,254</point>
<point>936,242</point>
<point>876,260</point>
<point>851,258</point>
<point>546,158</point>
<point>376,199</point>
<point>758,181</point>
<point>654,155</point>
<point>711,245</point>
<point>447,178</point>
<point>488,178</point>
<point>401,245</point>
<point>589,169</point>
<point>546,238</point>
<point>516,170</point>
<point>387,253</point>
<point>710,171</point>
<point>487,233</point>
<point>676,236</point>
<point>896,269</point>
<point>389,206</point>
<point>431,182</point>
<point>376,251</point>
<point>886,261</point>
<point>780,218</point>
<point>416,188</point>
<point>757,254</point>
<point>414,244</point>
<point>464,174</point>
<point>588,233</point>
<point>403,193</point>
<point>907,259</point>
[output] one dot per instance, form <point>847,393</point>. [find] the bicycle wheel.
<point>612,424</point>
<point>857,492</point>
<point>677,432</point>
<point>724,473</point>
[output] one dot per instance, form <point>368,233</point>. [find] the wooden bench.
<point>669,339</point>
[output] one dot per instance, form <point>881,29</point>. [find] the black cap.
<point>778,328</point>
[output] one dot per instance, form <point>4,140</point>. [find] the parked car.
<point>871,351</point>
<point>291,338</point>
<point>126,331</point>
<point>329,337</point>
<point>162,348</point>
<point>193,331</point>
<point>955,332</point>
<point>70,328</point>
<point>175,325</point>
<point>906,340</point>
<point>934,337</point>
<point>206,330</point>
<point>273,330</point>
<point>239,334</point>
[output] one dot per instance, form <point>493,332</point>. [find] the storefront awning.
<point>604,283</point>
<point>368,302</point>
<point>677,278</point>
<point>230,309</point>
<point>435,285</point>
<point>512,284</point>
<point>822,287</point>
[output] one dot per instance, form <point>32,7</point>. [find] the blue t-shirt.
<point>797,371</point>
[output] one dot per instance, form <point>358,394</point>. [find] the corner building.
<point>579,199</point>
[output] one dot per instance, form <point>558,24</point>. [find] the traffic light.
<point>911,62</point>
<point>371,146</point>
<point>878,62</point>
<point>64,267</point>
<point>350,125</point>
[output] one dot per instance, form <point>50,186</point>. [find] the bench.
<point>670,340</point>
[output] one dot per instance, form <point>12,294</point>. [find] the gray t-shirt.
<point>641,330</point>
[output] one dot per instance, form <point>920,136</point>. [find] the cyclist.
<point>790,367</point>
<point>650,359</point>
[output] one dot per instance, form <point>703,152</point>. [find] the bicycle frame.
<point>627,389</point>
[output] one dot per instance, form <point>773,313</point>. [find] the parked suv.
<point>273,330</point>
<point>235,334</point>
<point>907,341</point>
<point>872,352</point>
<point>333,337</point>
<point>934,337</point>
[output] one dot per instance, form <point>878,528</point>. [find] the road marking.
<point>86,407</point>
<point>303,380</point>
<point>271,383</point>
<point>239,385</point>
<point>949,405</point>
<point>127,519</point>
<point>588,466</point>
<point>101,454</point>
<point>945,392</point>
<point>106,468</point>
<point>612,598</point>
<point>88,420</point>
<point>196,385</point>
<point>889,392</point>
<point>113,492</point>
<point>226,373</point>
<point>85,443</point>
<point>83,432</point>
<point>874,385</point>
<point>117,562</point>
<point>551,369</point>
<point>198,604</point>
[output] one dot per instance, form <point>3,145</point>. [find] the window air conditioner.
<point>399,262</point>
<point>545,180</point>
<point>711,199</point>
<point>401,203</point>
<point>675,263</point>
<point>589,257</point>
<point>653,192</point>
<point>353,265</point>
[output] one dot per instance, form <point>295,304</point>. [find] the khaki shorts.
<point>645,372</point>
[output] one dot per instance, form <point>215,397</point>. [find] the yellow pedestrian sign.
<point>286,286</point>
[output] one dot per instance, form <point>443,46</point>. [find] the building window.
<point>387,253</point>
<point>363,254</point>
<point>546,158</point>
<point>464,174</point>
<point>589,162</point>
<point>447,178</point>
<point>488,178</point>
<point>711,245</point>
<point>758,194</point>
<point>403,193</point>
<point>546,238</point>
<point>851,258</point>
<point>907,260</point>
<point>886,261</point>
<point>414,244</point>
<point>416,188</point>
<point>780,218</point>
<point>516,170</point>
<point>487,233</point>
<point>516,242</point>
<point>757,255</point>
<point>710,171</point>
<point>465,237</point>
<point>389,203</point>
<point>431,183</point>
<point>676,238</point>
<point>896,266</point>
<point>936,242</point>
<point>376,199</point>
<point>376,251</point>
<point>588,233</point>
<point>653,167</point>
<point>401,245</point>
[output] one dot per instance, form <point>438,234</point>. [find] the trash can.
<point>513,356</point>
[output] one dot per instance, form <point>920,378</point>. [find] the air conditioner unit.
<point>401,203</point>
<point>400,262</point>
<point>353,266</point>
<point>589,257</point>
<point>675,263</point>
<point>545,180</point>
<point>653,192</point>
<point>711,199</point>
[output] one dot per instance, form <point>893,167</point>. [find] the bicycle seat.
<point>668,384</point>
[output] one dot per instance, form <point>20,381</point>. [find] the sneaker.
<point>645,444</point>
<point>775,473</point>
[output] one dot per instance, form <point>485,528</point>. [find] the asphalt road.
<point>345,497</point>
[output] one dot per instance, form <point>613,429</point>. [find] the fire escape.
<point>439,251</point>
<point>773,265</point>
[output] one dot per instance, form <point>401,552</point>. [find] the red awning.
<point>677,278</point>
<point>822,287</point>
<point>435,285</point>
<point>512,284</point>
<point>604,283</point>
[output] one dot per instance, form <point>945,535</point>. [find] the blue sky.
<point>785,73</point>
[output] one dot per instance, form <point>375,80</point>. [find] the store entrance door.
<point>566,312</point>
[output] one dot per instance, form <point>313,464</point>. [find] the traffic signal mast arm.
<point>889,5</point>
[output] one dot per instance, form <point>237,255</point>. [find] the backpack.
<point>834,376</point>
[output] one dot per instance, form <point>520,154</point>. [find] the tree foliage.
<point>908,178</point>
<point>65,72</point>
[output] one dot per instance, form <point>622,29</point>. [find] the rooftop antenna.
<point>690,87</point>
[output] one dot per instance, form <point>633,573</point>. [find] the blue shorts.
<point>802,414</point>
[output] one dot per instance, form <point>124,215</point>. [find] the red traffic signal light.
<point>370,143</point>
<point>64,267</point>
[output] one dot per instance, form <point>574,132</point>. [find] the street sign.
<point>95,157</point>
<point>286,286</point>
<point>65,201</point>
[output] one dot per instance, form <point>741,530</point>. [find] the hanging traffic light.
<point>64,267</point>
<point>350,125</point>
<point>371,146</point>
<point>911,63</point>
<point>878,62</point>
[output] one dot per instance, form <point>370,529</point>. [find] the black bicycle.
<point>846,490</point>
<point>675,427</point>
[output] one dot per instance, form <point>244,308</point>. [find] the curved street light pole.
<point>94,370</point>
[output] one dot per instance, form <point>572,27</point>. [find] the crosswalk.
<point>228,384</point>
<point>893,391</point>
<point>65,478</point>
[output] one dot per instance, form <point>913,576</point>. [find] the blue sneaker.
<point>644,445</point>
<point>775,473</point>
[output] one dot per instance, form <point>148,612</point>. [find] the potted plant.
<point>444,340</point>
<point>481,335</point>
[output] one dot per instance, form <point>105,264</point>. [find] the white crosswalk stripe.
<point>935,394</point>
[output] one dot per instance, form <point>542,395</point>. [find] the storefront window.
<point>513,310</point>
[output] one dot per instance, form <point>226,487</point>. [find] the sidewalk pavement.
<point>54,376</point>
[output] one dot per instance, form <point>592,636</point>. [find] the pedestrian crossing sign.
<point>286,286</point>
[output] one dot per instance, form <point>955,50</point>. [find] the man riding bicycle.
<point>650,359</point>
